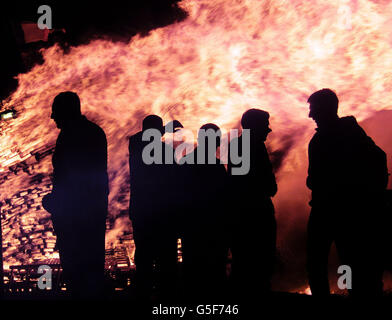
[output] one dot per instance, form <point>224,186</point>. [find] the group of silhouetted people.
<point>197,200</point>
<point>213,211</point>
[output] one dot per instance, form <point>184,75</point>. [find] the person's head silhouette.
<point>323,107</point>
<point>209,133</point>
<point>65,109</point>
<point>257,121</point>
<point>153,122</point>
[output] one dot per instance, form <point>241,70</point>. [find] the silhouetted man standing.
<point>347,175</point>
<point>152,208</point>
<point>253,224</point>
<point>78,202</point>
<point>204,247</point>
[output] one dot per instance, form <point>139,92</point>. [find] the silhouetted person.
<point>78,202</point>
<point>204,249</point>
<point>347,175</point>
<point>253,224</point>
<point>152,211</point>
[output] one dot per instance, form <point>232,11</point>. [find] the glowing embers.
<point>27,230</point>
<point>8,114</point>
<point>179,250</point>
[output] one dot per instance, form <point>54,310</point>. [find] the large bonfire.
<point>225,57</point>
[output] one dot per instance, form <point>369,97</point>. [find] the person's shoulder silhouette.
<point>341,150</point>
<point>80,157</point>
<point>260,175</point>
<point>252,224</point>
<point>78,202</point>
<point>152,208</point>
<point>348,175</point>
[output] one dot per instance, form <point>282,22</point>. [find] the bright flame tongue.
<point>227,56</point>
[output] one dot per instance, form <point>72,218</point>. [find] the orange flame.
<point>225,57</point>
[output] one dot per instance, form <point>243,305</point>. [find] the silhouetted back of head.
<point>254,118</point>
<point>325,101</point>
<point>209,133</point>
<point>153,122</point>
<point>211,126</point>
<point>65,107</point>
<point>68,103</point>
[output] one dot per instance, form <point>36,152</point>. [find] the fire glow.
<point>225,57</point>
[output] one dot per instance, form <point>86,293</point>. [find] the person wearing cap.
<point>152,208</point>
